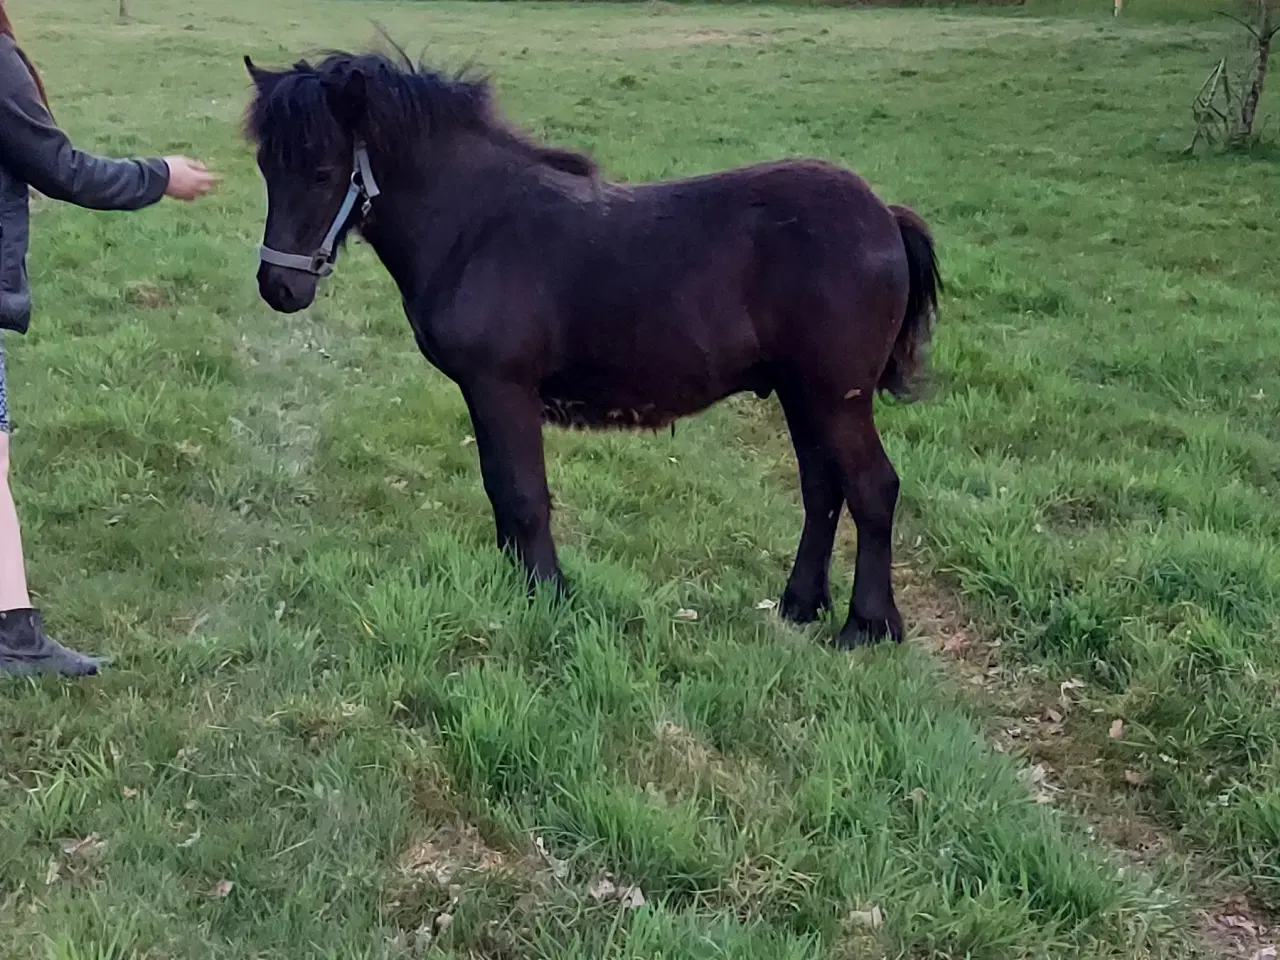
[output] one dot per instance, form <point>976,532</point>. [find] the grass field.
<point>332,720</point>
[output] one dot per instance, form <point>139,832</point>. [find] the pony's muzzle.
<point>284,290</point>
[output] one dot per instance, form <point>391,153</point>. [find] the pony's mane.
<point>290,118</point>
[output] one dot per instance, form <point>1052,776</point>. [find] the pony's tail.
<point>906,363</point>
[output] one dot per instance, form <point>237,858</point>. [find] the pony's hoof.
<point>557,588</point>
<point>864,632</point>
<point>801,610</point>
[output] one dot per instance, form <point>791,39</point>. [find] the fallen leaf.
<point>85,848</point>
<point>1053,716</point>
<point>443,921</point>
<point>1037,781</point>
<point>688,615</point>
<point>1117,730</point>
<point>52,872</point>
<point>956,644</point>
<point>1238,922</point>
<point>1133,778</point>
<point>1067,686</point>
<point>602,889</point>
<point>559,868</point>
<point>129,793</point>
<point>873,918</point>
<point>221,889</point>
<point>631,898</point>
<point>468,440</point>
<point>767,605</point>
<point>917,795</point>
<point>190,841</point>
<point>1266,953</point>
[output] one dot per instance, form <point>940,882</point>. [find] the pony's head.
<point>328,136</point>
<point>306,122</point>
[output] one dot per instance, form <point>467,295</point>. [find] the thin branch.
<point>1248,26</point>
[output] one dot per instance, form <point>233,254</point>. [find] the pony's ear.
<point>346,93</point>
<point>264,80</point>
<point>256,73</point>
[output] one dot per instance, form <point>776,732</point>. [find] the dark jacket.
<point>35,153</point>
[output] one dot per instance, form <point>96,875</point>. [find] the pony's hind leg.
<point>871,488</point>
<point>808,592</point>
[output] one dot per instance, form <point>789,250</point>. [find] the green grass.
<point>276,526</point>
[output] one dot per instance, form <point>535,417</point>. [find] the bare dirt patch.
<point>146,295</point>
<point>1236,929</point>
<point>1052,729</point>
<point>450,853</point>
<point>433,876</point>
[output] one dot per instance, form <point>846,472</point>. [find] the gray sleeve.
<point>33,149</point>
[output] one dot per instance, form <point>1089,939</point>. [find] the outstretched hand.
<point>188,179</point>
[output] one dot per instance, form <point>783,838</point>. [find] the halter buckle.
<point>322,263</point>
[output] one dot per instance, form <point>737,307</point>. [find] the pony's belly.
<point>600,400</point>
<point>587,415</point>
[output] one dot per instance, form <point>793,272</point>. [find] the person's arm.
<point>35,150</point>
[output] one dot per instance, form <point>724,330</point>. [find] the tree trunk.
<point>1249,104</point>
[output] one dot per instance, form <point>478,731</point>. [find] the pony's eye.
<point>324,177</point>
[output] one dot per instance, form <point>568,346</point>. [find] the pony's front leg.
<point>507,419</point>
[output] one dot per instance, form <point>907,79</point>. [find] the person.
<point>36,154</point>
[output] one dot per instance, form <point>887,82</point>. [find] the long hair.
<point>6,29</point>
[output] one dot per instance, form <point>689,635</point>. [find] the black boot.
<point>26,650</point>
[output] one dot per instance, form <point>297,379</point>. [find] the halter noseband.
<point>363,188</point>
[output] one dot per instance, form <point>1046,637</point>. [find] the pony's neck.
<point>434,210</point>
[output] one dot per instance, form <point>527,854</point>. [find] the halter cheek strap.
<point>363,189</point>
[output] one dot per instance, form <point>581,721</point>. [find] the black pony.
<point>551,295</point>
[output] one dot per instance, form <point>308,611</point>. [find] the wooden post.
<point>1119,5</point>
<point>124,9</point>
